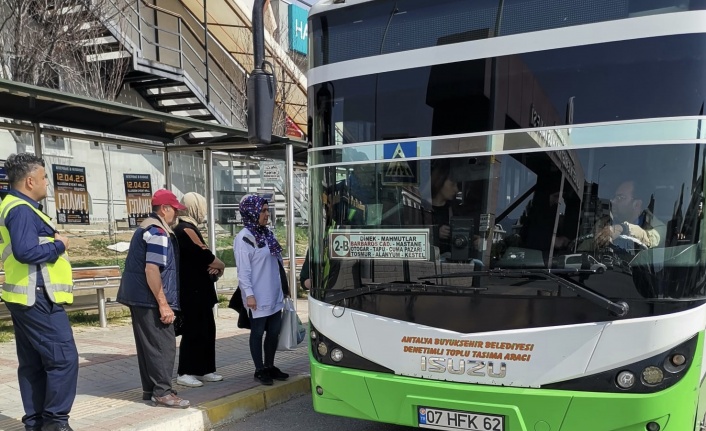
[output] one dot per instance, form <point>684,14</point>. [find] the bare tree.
<point>64,45</point>
<point>285,107</point>
<point>61,44</point>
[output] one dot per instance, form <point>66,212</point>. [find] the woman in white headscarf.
<point>198,268</point>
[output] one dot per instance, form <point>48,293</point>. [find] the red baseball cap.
<point>166,197</point>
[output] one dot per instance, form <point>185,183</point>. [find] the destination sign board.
<point>410,244</point>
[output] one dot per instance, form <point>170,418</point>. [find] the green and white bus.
<point>510,197</point>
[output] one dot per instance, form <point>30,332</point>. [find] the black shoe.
<point>264,377</point>
<point>54,426</point>
<point>276,374</point>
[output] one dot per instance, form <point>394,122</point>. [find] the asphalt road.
<point>299,415</point>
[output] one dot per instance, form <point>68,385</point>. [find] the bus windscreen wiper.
<point>619,308</point>
<point>399,287</point>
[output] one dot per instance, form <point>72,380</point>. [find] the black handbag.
<point>178,324</point>
<point>236,303</point>
<point>283,279</point>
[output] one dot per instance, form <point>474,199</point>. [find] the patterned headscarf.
<point>250,208</point>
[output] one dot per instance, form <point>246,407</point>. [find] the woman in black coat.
<point>198,268</point>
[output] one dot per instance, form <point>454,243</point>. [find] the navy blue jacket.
<point>25,228</point>
<point>134,290</point>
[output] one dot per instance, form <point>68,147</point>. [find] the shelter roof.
<point>42,105</point>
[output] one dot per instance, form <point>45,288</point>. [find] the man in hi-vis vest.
<point>38,282</point>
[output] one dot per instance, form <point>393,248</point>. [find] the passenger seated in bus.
<point>354,195</point>
<point>631,219</point>
<point>443,200</point>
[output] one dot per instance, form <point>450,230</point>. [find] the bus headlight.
<point>649,375</point>
<point>678,360</point>
<point>336,355</point>
<point>675,363</point>
<point>328,352</point>
<point>625,379</point>
<point>652,376</point>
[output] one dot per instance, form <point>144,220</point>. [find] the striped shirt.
<point>157,245</point>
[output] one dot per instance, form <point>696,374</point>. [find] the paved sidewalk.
<point>109,393</point>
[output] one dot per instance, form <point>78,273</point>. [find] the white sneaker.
<point>210,377</point>
<point>190,381</point>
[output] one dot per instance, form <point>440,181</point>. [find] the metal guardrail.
<point>301,189</point>
<point>96,278</point>
<point>178,45</point>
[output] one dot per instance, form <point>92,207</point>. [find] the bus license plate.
<point>440,419</point>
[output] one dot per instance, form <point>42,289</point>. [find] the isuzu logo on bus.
<point>435,364</point>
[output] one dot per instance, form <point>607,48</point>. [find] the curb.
<point>240,405</point>
<point>213,414</point>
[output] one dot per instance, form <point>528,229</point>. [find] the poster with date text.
<point>138,194</point>
<point>71,195</point>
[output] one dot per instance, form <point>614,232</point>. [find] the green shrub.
<point>223,301</point>
<point>7,331</point>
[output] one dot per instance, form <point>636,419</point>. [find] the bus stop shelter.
<point>31,108</point>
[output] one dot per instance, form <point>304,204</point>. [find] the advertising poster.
<point>138,193</point>
<point>71,194</point>
<point>4,181</point>
<point>227,206</point>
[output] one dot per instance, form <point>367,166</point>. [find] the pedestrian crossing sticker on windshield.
<point>400,171</point>
<point>411,244</point>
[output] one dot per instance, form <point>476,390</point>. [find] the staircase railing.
<point>301,189</point>
<point>166,39</point>
<point>301,192</point>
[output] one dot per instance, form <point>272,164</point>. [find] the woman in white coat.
<point>258,257</point>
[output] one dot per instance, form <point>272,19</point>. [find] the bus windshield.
<point>501,225</point>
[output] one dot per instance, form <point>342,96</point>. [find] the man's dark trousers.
<point>48,372</point>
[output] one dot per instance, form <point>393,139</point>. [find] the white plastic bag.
<point>293,331</point>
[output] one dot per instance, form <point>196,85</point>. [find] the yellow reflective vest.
<point>20,278</point>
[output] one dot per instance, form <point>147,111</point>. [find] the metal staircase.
<point>178,70</point>
<point>175,67</point>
